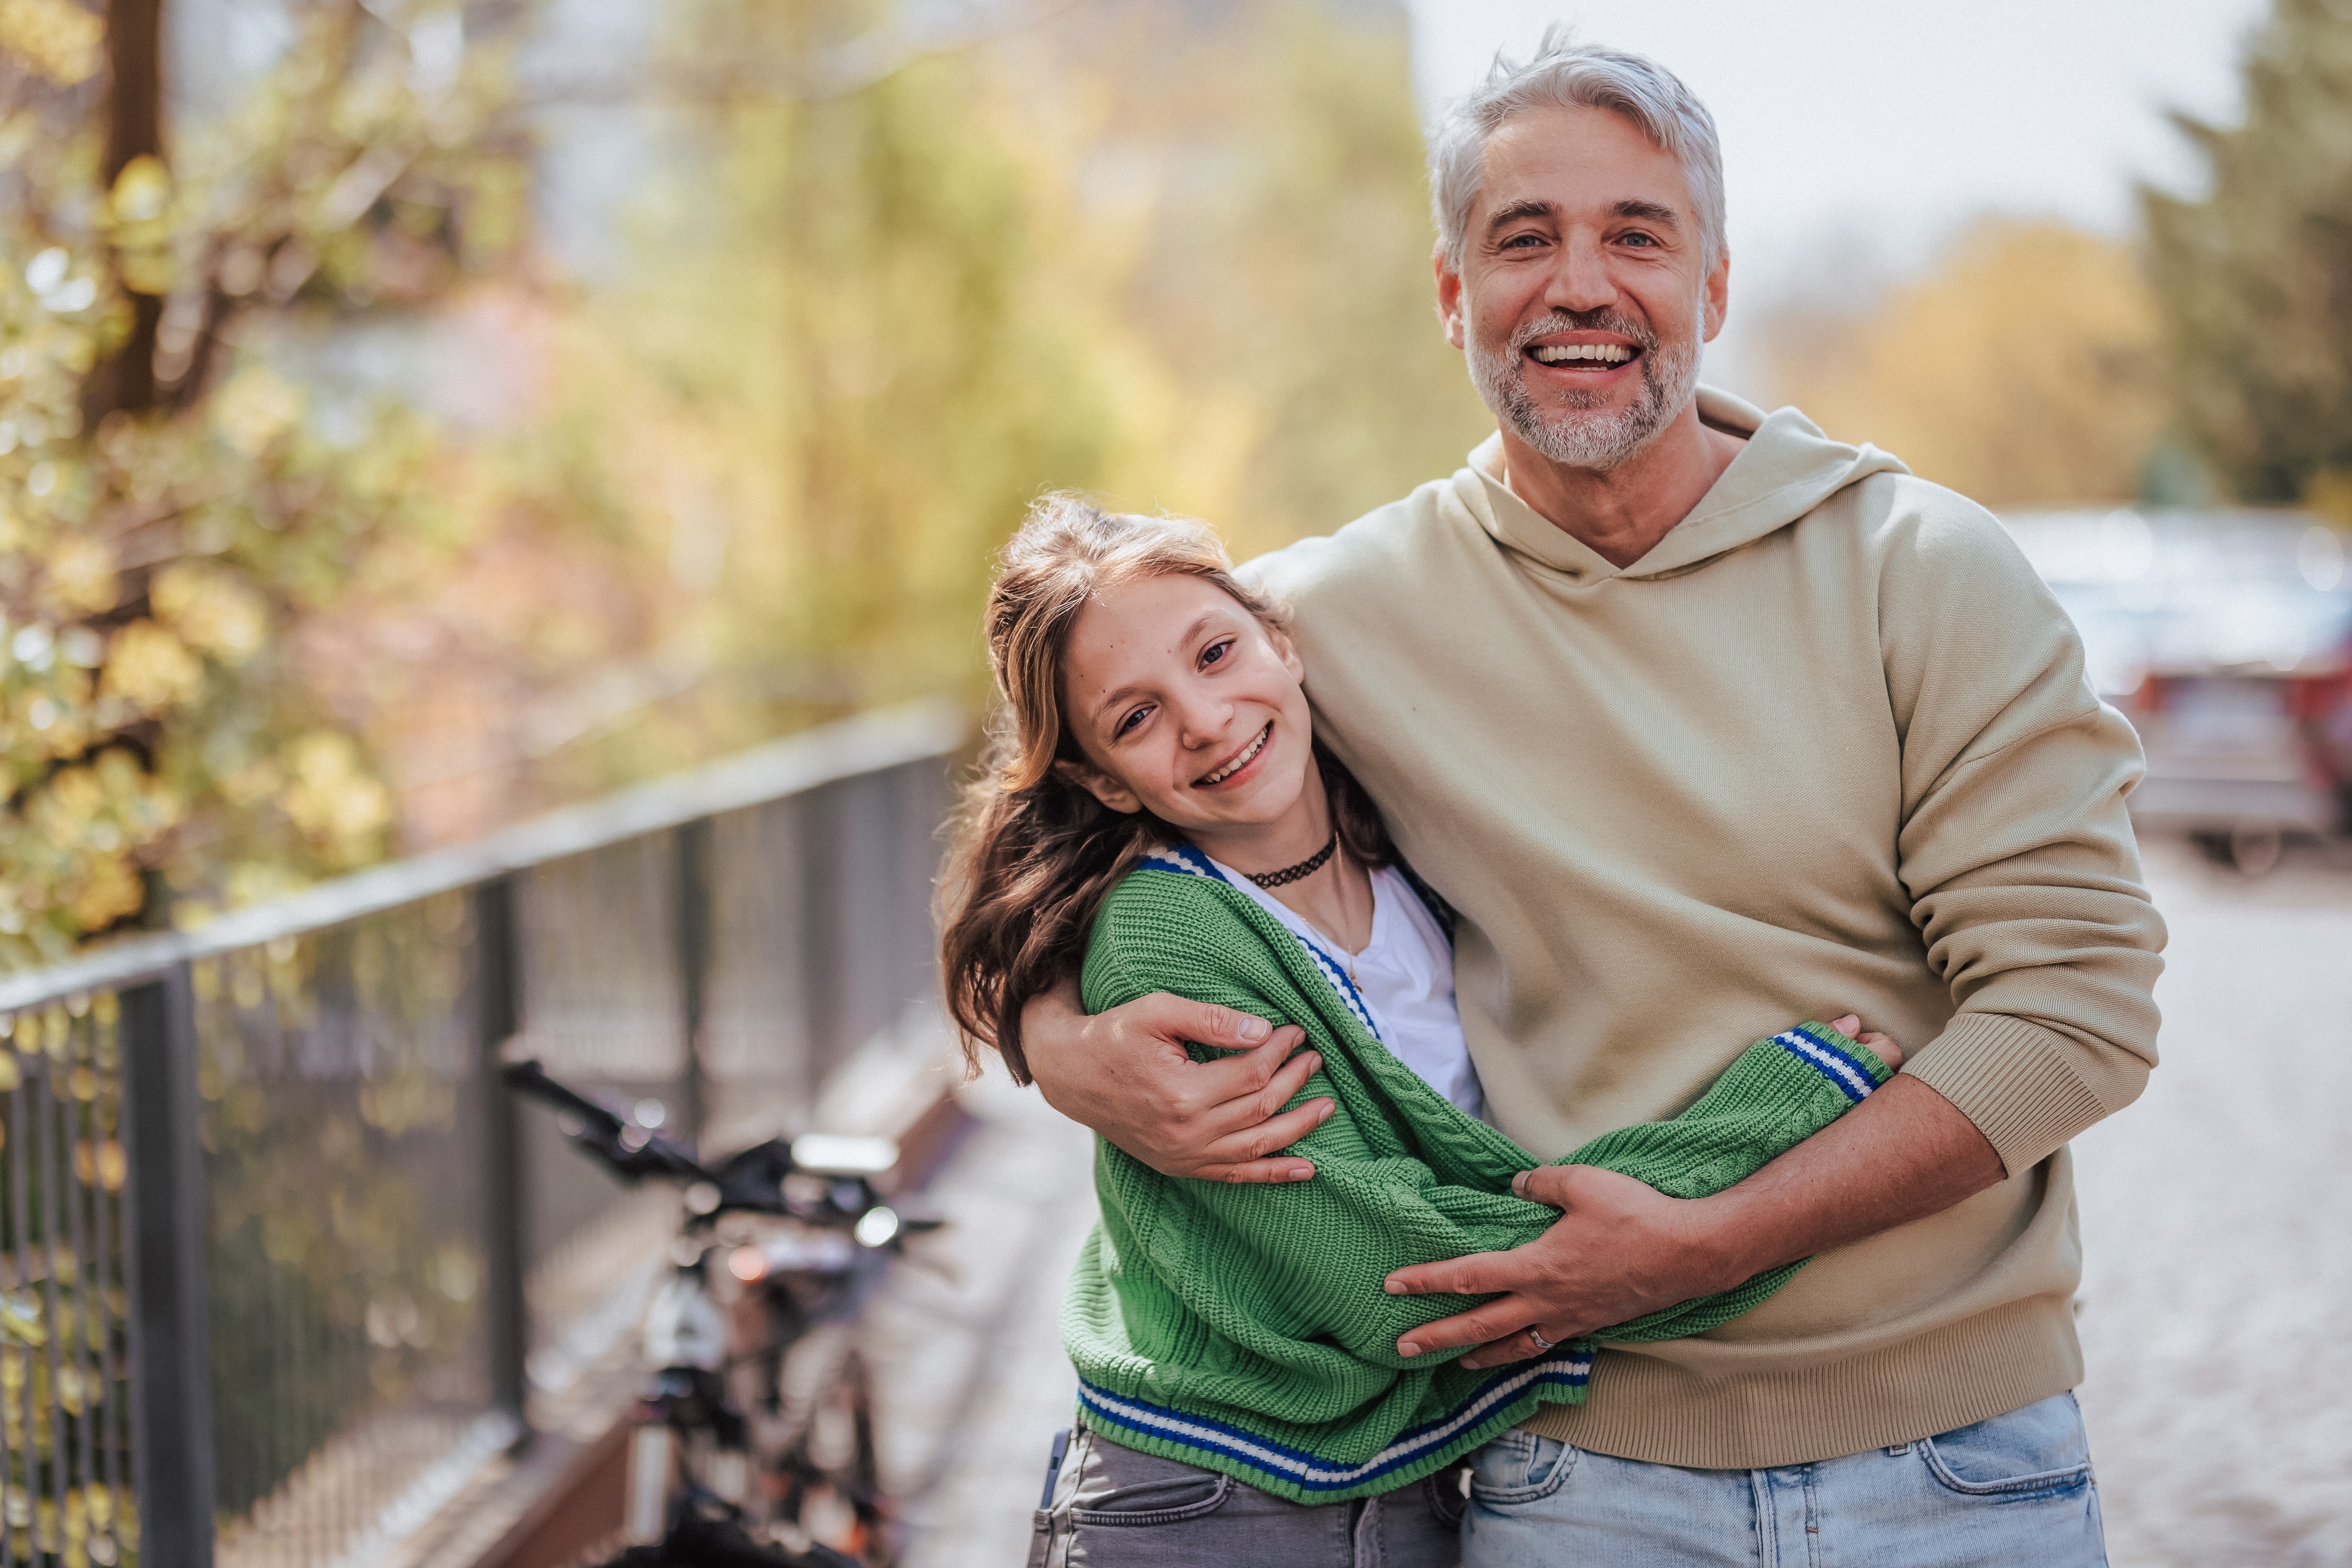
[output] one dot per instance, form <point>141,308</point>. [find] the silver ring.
<point>1536,1334</point>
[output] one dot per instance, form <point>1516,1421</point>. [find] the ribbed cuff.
<point>2013,1081</point>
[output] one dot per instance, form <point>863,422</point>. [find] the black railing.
<point>281,1271</point>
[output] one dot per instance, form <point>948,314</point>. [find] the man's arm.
<point>2018,853</point>
<point>1622,1250</point>
<point>1125,1073</point>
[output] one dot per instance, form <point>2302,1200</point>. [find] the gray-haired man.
<point>1704,722</point>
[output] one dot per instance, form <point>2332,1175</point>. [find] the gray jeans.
<point>1115,1508</point>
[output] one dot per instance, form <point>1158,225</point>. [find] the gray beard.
<point>1573,436</point>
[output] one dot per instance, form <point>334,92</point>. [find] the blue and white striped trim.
<point>1307,1472</point>
<point>1184,860</point>
<point>1854,1080</point>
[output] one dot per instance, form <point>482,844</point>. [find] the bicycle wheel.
<point>828,1468</point>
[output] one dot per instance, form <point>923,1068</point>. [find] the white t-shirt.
<point>1405,979</point>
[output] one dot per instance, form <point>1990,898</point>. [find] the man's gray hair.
<point>1567,75</point>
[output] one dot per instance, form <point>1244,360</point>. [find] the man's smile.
<point>1584,357</point>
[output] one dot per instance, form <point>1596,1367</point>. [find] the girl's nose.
<point>1200,722</point>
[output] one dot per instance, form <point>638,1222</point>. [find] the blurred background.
<point>418,416</point>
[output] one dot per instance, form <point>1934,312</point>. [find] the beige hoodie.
<point>1827,748</point>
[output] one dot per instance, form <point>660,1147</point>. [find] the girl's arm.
<point>1306,1261</point>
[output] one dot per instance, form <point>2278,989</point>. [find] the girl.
<point>1158,816</point>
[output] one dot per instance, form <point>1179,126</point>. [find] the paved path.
<point>2217,1290</point>
<point>2217,1299</point>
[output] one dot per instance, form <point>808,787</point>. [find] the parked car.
<point>2225,637</point>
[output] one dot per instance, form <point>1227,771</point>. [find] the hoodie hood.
<point>1786,469</point>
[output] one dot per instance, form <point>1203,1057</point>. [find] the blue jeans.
<point>2011,1492</point>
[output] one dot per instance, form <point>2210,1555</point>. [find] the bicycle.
<point>754,1446</point>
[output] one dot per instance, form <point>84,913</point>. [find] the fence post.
<point>823,957</point>
<point>692,888</point>
<point>497,1014</point>
<point>171,1338</point>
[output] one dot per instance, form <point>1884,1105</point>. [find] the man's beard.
<point>1570,433</point>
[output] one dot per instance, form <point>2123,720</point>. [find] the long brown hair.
<point>1035,853</point>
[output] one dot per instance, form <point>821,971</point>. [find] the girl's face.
<point>1187,706</point>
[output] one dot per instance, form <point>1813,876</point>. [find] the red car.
<point>2225,637</point>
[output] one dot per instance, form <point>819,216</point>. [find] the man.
<point>1704,723</point>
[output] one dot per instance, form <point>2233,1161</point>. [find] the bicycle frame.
<point>756,1368</point>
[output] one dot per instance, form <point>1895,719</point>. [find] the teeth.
<point>1229,769</point>
<point>1606,354</point>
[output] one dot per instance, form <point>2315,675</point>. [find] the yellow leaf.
<point>255,408</point>
<point>141,190</point>
<point>211,607</point>
<point>83,574</point>
<point>57,38</point>
<point>147,666</point>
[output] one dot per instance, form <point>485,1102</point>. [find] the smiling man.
<point>1701,722</point>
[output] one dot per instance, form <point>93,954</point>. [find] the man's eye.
<point>1216,651</point>
<point>1641,239</point>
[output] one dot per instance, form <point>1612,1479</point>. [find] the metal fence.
<point>281,1269</point>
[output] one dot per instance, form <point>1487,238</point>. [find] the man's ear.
<point>1101,785</point>
<point>1717,298</point>
<point>1449,296</point>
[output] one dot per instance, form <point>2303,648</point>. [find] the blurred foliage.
<point>2251,276</point>
<point>331,1069</point>
<point>2023,367</point>
<point>1177,255</point>
<point>155,559</point>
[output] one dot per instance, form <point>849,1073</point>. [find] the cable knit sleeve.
<point>2015,846</point>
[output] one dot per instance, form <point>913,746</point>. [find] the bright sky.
<point>1858,133</point>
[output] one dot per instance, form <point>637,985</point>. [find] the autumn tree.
<point>887,288</point>
<point>2255,276</point>
<point>2023,367</point>
<point>175,505</point>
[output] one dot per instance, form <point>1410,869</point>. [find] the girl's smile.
<point>1233,769</point>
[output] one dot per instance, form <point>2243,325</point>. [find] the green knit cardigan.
<point>1244,1328</point>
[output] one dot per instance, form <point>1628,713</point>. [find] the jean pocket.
<point>1519,1468</point>
<point>2037,1450</point>
<point>1159,1491</point>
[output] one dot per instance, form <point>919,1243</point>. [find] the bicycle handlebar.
<point>605,1133</point>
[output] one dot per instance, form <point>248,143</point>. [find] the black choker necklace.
<point>1289,874</point>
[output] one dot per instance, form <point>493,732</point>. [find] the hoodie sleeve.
<point>2015,848</point>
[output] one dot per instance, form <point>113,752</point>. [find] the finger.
<point>1264,1139</point>
<point>1502,1352</point>
<point>1223,1027</point>
<point>1885,1048</point>
<point>1216,1116</point>
<point>1496,1320</point>
<point>1847,1024</point>
<point>1551,1184</point>
<point>1267,1173</point>
<point>1237,1077</point>
<point>1474,1274</point>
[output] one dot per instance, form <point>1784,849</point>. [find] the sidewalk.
<point>971,1382</point>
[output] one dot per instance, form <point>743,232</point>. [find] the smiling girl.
<point>1156,817</point>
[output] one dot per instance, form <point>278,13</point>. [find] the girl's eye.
<point>1129,722</point>
<point>1216,651</point>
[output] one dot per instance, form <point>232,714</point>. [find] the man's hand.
<point>1622,1249</point>
<point>1125,1073</point>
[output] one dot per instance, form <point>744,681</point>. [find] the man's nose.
<point>1580,278</point>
